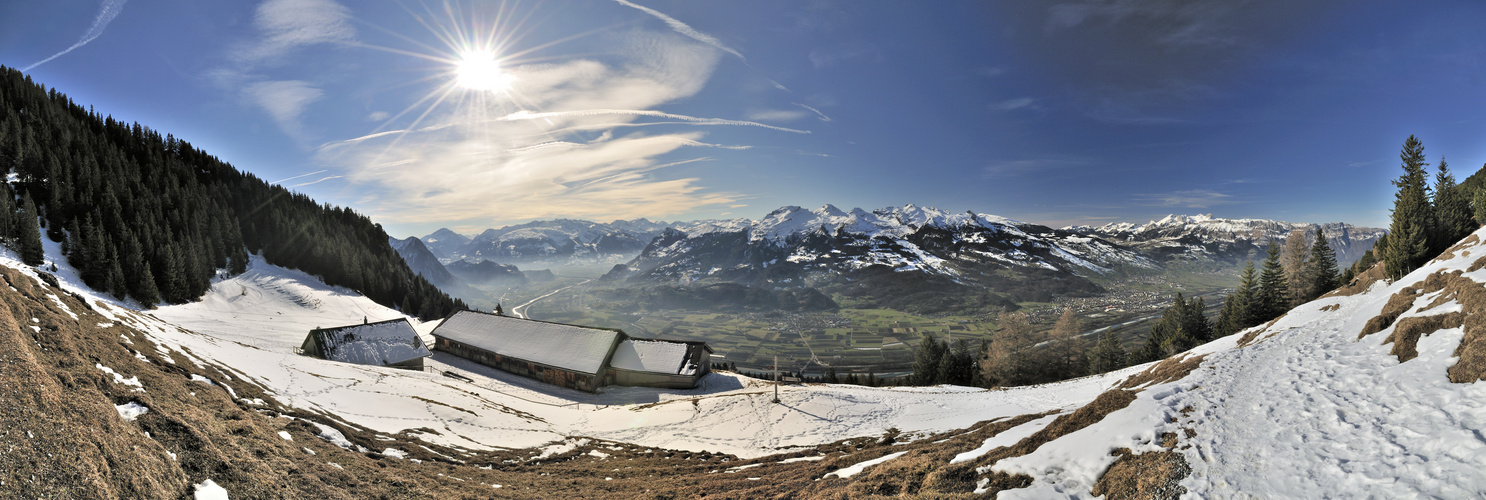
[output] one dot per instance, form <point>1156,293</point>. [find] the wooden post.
<point>776,378</point>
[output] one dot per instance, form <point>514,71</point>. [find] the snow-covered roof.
<point>657,356</point>
<point>380,343</point>
<point>569,347</point>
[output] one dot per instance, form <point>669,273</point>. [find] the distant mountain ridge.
<point>1205,236</point>
<point>918,257</point>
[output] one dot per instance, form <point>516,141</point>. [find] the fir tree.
<point>7,213</point>
<point>1452,210</point>
<point>926,361</point>
<point>1322,267</point>
<point>28,233</point>
<point>1409,244</point>
<point>1273,296</point>
<point>1246,300</point>
<point>1479,203</point>
<point>1107,354</point>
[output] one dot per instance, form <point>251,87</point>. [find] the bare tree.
<point>1008,361</point>
<point>1066,347</point>
<point>1296,258</point>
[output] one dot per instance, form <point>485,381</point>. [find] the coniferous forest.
<point>153,219</point>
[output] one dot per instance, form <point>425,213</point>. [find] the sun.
<point>480,70</point>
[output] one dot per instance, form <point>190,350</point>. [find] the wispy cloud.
<point>573,149</point>
<point>106,14</point>
<point>1011,104</point>
<point>775,115</point>
<point>285,101</point>
<point>289,24</point>
<point>818,114</point>
<point>1192,198</point>
<point>1007,168</point>
<point>687,30</point>
<point>1172,23</point>
<point>283,26</point>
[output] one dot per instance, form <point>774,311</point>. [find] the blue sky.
<point>1058,113</point>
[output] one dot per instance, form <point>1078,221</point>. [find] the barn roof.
<point>568,347</point>
<point>381,343</point>
<point>658,356</point>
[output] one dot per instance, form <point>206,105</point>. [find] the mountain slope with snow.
<point>1235,240</point>
<point>912,257</point>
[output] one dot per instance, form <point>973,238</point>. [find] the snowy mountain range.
<point>1195,237</point>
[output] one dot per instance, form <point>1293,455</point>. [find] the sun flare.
<point>479,70</point>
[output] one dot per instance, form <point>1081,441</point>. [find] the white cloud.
<point>377,116</point>
<point>285,101</point>
<point>289,24</point>
<point>572,149</point>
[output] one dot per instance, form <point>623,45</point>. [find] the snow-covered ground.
<point>1308,410</point>
<point>251,324</point>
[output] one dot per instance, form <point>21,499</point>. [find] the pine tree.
<point>1246,300</point>
<point>1107,354</point>
<point>1479,203</point>
<point>1322,268</point>
<point>1409,244</point>
<point>1227,322</point>
<point>926,361</point>
<point>7,213</point>
<point>28,233</point>
<point>1274,289</point>
<point>1452,209</point>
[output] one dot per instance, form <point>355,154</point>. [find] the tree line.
<point>154,219</point>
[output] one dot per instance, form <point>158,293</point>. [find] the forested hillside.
<point>153,219</point>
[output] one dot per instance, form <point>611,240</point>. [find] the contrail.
<point>110,10</point>
<point>319,181</point>
<point>527,115</point>
<point>298,176</point>
<point>818,114</point>
<point>684,29</point>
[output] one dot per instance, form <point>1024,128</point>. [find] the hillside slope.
<point>1314,404</point>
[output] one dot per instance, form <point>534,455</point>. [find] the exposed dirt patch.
<point>1152,475</point>
<point>1463,244</point>
<point>1477,265</point>
<point>1361,282</point>
<point>1400,302</point>
<point>1168,370</point>
<point>1332,307</point>
<point>1248,338</point>
<point>1406,333</point>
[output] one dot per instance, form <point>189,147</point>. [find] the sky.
<point>470,115</point>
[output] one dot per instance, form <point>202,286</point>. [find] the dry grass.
<point>1406,332</point>
<point>1168,370</point>
<point>1400,302</point>
<point>1361,282</point>
<point>1333,307</point>
<point>1153,475</point>
<point>1461,245</point>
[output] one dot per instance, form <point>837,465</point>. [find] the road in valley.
<point>520,311</point>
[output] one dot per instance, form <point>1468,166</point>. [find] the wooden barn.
<point>571,356</point>
<point>671,364</point>
<point>386,343</point>
<point>565,355</point>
